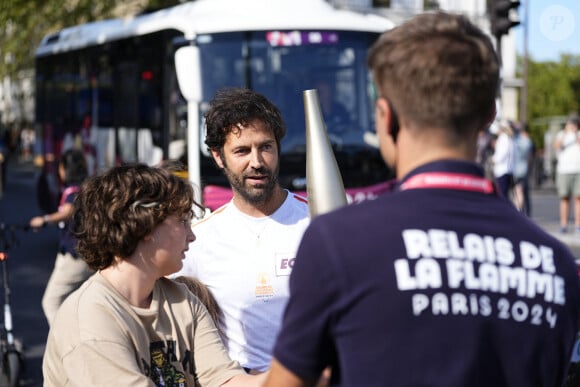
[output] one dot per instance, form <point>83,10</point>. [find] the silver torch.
<point>323,180</point>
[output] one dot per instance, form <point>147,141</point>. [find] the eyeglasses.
<point>186,219</point>
<point>186,222</point>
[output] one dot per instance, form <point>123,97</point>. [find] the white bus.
<point>135,89</point>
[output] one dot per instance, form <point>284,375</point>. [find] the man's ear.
<point>217,158</point>
<point>382,109</point>
<point>388,117</point>
<point>491,117</point>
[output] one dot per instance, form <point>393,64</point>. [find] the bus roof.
<point>212,16</point>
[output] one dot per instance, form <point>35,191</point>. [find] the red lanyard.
<point>448,180</point>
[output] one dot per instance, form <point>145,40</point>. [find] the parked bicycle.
<point>11,357</point>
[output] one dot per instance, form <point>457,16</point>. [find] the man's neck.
<point>265,208</point>
<point>414,151</point>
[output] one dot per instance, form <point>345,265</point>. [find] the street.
<point>29,265</point>
<point>31,260</point>
<point>545,209</point>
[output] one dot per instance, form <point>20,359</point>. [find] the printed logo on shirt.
<point>475,275</point>
<point>264,288</point>
<point>284,264</point>
<point>161,371</point>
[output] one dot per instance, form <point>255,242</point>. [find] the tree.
<point>553,90</point>
<point>25,22</point>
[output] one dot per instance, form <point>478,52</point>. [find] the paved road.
<point>545,209</point>
<point>31,261</point>
<point>29,265</point>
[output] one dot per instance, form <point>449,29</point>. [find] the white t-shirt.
<point>504,155</point>
<point>524,148</point>
<point>246,263</point>
<point>569,154</point>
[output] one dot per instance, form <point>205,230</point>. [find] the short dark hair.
<point>113,211</point>
<point>233,106</point>
<point>75,166</point>
<point>437,69</point>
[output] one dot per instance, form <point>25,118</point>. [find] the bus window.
<point>226,55</point>
<point>114,81</point>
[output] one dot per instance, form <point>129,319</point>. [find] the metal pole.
<point>498,99</point>
<point>524,90</point>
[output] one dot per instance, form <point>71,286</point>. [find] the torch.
<point>323,180</point>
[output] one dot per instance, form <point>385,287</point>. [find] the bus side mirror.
<point>188,74</point>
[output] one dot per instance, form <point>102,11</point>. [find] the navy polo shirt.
<point>431,286</point>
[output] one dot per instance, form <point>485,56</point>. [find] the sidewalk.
<point>545,212</point>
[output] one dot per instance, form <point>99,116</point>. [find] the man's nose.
<point>256,159</point>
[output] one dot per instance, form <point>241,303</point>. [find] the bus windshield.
<point>282,64</point>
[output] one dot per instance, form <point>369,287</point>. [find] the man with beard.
<point>244,251</point>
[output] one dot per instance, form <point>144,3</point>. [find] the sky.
<point>553,28</point>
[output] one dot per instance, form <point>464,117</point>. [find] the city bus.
<point>135,89</point>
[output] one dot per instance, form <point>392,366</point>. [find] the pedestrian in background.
<point>504,159</point>
<point>567,146</point>
<point>70,271</point>
<point>128,325</point>
<point>27,143</point>
<point>524,158</point>
<point>245,250</point>
<point>441,282</point>
<point>485,144</point>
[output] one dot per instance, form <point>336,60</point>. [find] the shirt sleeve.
<point>213,365</point>
<point>103,363</point>
<point>70,198</point>
<point>304,344</point>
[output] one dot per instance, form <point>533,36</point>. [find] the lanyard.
<point>449,180</point>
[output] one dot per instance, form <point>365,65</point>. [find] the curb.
<point>570,238</point>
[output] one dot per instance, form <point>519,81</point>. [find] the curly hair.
<point>233,106</point>
<point>113,211</point>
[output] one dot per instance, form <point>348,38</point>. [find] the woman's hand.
<point>38,222</point>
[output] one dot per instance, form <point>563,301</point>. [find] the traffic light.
<point>500,16</point>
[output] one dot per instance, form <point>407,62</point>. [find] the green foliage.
<point>553,90</point>
<point>553,87</point>
<point>24,23</point>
